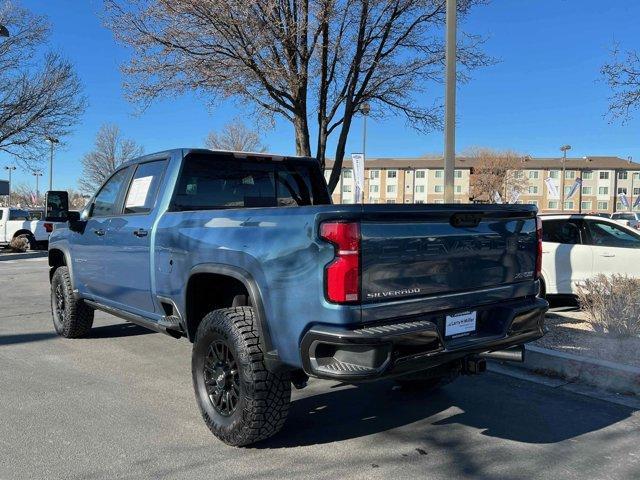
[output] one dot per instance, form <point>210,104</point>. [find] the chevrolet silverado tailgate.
<point>414,250</point>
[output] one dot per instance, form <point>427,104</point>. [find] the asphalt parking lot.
<point>120,405</point>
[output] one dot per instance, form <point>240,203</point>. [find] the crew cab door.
<point>88,245</point>
<point>127,253</point>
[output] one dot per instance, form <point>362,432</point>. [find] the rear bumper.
<point>418,343</point>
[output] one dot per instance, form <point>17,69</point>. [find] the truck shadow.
<point>497,406</point>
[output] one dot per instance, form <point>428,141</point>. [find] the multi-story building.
<point>421,180</point>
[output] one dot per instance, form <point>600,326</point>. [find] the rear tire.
<point>240,400</point>
<point>72,318</point>
<point>430,380</point>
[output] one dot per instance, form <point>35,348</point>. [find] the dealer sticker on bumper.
<point>460,324</point>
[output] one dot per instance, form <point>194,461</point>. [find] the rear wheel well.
<point>22,232</point>
<point>211,291</point>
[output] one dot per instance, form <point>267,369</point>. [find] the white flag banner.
<point>496,197</point>
<point>514,196</point>
<point>552,188</point>
<point>358,175</point>
<point>574,188</point>
<point>623,200</point>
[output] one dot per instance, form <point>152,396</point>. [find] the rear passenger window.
<point>143,189</point>
<point>561,231</point>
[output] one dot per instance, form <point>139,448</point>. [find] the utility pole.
<point>450,104</point>
<point>11,168</point>
<point>52,141</point>
<point>365,108</point>
<point>564,150</point>
<point>37,174</point>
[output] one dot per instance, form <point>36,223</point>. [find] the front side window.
<point>144,186</point>
<point>605,234</point>
<point>19,215</point>
<point>561,231</point>
<point>106,201</point>
<point>209,182</point>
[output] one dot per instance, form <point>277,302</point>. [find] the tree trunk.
<point>342,143</point>
<point>301,126</point>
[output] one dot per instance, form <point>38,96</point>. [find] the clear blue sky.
<point>545,92</point>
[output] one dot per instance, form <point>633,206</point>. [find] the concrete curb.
<point>610,376</point>
<point>22,256</point>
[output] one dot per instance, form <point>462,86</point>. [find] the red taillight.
<point>539,253</point>
<point>48,227</point>
<point>342,275</point>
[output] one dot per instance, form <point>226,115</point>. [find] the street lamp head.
<point>564,148</point>
<point>365,108</point>
<point>52,140</point>
<point>9,167</point>
<point>3,31</point>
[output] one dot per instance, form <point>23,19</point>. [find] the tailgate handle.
<point>462,220</point>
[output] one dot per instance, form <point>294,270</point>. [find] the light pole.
<point>633,175</point>
<point>450,103</point>
<point>365,108</point>
<point>37,174</point>
<point>11,168</point>
<point>52,142</point>
<point>564,150</point>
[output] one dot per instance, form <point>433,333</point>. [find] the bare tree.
<point>294,58</point>
<point>40,95</point>
<point>235,136</point>
<point>23,196</point>
<point>77,200</point>
<point>622,74</point>
<point>496,171</point>
<point>110,151</point>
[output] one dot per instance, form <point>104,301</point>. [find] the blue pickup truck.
<point>245,256</point>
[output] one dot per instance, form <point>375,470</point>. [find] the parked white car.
<point>578,247</point>
<point>16,222</point>
<point>631,219</point>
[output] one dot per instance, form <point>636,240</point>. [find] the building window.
<point>374,188</point>
<point>374,174</point>
<point>419,188</point>
<point>419,201</point>
<point>587,190</point>
<point>346,173</point>
<point>532,202</point>
<point>519,174</point>
<point>392,173</point>
<point>420,174</point>
<point>603,190</point>
<point>636,176</point>
<point>458,188</point>
<point>391,189</point>
<point>622,190</point>
<point>457,173</point>
<point>568,205</point>
<point>553,204</point>
<point>587,175</point>
<point>533,190</point>
<point>438,201</point>
<point>346,189</point>
<point>636,191</point>
<point>567,189</point>
<point>603,205</point>
<point>439,173</point>
<point>604,175</point>
<point>622,175</point>
<point>569,174</point>
<point>554,173</point>
<point>585,205</point>
<point>533,174</point>
<point>438,188</point>
<point>391,201</point>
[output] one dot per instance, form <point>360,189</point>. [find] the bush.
<point>19,244</point>
<point>612,304</point>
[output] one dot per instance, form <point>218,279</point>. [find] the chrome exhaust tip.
<point>513,354</point>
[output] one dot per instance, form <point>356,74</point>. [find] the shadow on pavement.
<point>490,404</point>
<point>26,338</point>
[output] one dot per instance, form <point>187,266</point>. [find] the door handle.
<point>607,254</point>
<point>98,231</point>
<point>141,232</point>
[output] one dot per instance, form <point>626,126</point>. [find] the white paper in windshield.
<point>138,192</point>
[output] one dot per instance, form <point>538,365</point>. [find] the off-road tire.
<point>430,380</point>
<point>77,318</point>
<point>263,400</point>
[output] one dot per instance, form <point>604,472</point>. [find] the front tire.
<point>240,400</point>
<point>72,318</point>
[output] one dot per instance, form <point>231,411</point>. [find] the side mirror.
<point>57,206</point>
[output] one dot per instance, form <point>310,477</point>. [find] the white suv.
<point>631,219</point>
<point>577,247</point>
